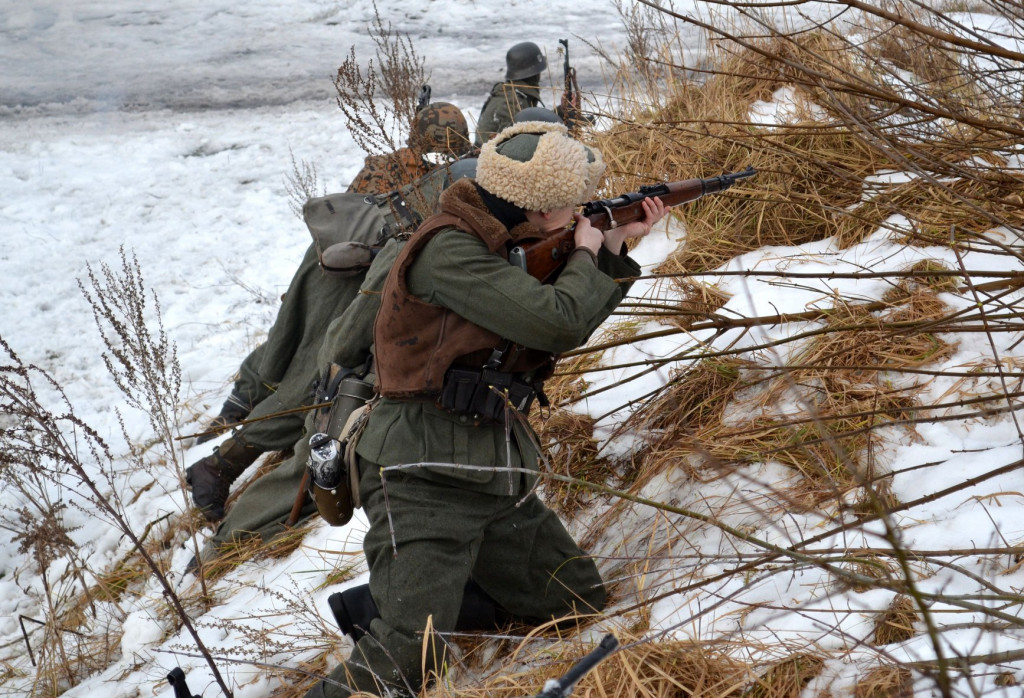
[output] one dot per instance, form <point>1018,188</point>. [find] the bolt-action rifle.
<point>543,258</point>
<point>569,107</point>
<point>424,98</point>
<point>562,688</point>
<point>177,680</point>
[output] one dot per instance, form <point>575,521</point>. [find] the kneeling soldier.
<point>463,342</point>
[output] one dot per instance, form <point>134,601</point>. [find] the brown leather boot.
<point>210,478</point>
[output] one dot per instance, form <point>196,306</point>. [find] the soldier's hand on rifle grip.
<point>586,235</point>
<point>654,211</point>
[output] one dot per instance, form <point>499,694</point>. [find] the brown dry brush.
<point>379,104</point>
<point>51,447</point>
<point>62,447</point>
<point>812,169</point>
<point>302,184</point>
<point>142,362</point>
<point>889,93</point>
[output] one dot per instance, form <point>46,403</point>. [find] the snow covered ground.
<point>187,55</point>
<point>168,131</point>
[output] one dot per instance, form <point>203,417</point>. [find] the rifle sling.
<point>406,217</point>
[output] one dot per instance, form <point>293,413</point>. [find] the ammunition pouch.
<point>332,464</point>
<point>486,394</point>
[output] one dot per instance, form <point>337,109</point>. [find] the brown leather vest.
<point>415,342</point>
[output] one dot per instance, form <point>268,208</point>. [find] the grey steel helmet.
<point>536,114</point>
<point>524,60</point>
<point>461,169</point>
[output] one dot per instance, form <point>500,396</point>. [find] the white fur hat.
<point>538,167</point>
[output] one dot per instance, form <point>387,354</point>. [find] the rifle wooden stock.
<point>543,258</point>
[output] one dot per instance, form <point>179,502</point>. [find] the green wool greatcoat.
<point>505,101</point>
<point>277,375</point>
<point>266,504</point>
<point>435,524</point>
<point>340,331</point>
<point>279,371</point>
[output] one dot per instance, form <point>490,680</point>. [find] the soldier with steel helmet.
<point>438,128</point>
<point>524,64</point>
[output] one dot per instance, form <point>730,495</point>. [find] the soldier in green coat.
<point>439,128</point>
<point>277,375</point>
<point>524,64</point>
<point>265,506</point>
<point>447,462</point>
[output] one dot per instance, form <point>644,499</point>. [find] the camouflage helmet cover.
<point>440,127</point>
<point>524,60</point>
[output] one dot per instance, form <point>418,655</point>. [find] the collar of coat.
<point>463,201</point>
<point>531,93</point>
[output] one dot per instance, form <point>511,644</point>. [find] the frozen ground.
<point>196,55</point>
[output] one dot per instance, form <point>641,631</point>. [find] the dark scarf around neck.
<point>507,213</point>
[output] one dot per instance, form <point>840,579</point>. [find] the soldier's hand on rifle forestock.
<point>586,235</point>
<point>654,211</point>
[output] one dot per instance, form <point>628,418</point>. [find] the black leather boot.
<point>354,609</point>
<point>479,611</point>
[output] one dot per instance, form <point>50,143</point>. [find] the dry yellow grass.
<point>248,548</point>
<point>652,670</point>
<point>787,677</point>
<point>572,450</point>
<point>936,212</point>
<point>897,623</point>
<point>836,380</point>
<point>691,403</point>
<point>886,682</point>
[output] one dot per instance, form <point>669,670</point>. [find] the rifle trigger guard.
<point>611,216</point>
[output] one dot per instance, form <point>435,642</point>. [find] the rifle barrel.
<point>543,258</point>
